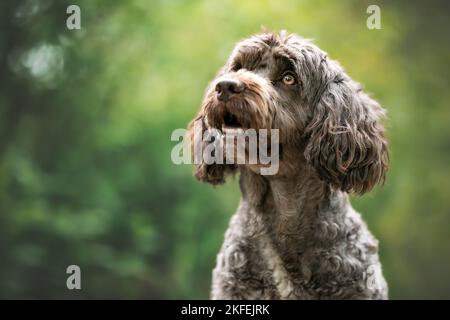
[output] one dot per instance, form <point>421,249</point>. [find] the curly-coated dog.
<point>295,234</point>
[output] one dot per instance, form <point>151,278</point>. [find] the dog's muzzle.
<point>239,101</point>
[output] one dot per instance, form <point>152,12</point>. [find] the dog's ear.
<point>345,137</point>
<point>211,173</point>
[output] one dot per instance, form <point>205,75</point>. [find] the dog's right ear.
<point>210,173</point>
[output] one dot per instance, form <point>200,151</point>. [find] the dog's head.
<point>281,81</point>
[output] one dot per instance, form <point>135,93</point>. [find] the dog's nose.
<point>227,88</point>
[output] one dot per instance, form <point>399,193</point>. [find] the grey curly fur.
<point>295,234</point>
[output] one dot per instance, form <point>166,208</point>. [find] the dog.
<point>295,234</point>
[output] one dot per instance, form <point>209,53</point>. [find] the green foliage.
<point>85,123</point>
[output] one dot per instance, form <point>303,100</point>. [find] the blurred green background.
<point>85,123</point>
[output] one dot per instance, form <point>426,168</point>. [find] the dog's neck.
<point>293,204</point>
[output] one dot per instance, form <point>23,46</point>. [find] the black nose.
<point>227,88</point>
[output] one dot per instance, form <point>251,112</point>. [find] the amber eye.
<point>288,79</point>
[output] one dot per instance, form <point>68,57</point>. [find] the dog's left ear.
<point>345,137</point>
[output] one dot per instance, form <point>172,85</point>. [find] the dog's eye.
<point>289,79</point>
<point>236,67</point>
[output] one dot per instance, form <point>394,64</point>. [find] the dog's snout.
<point>228,87</point>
